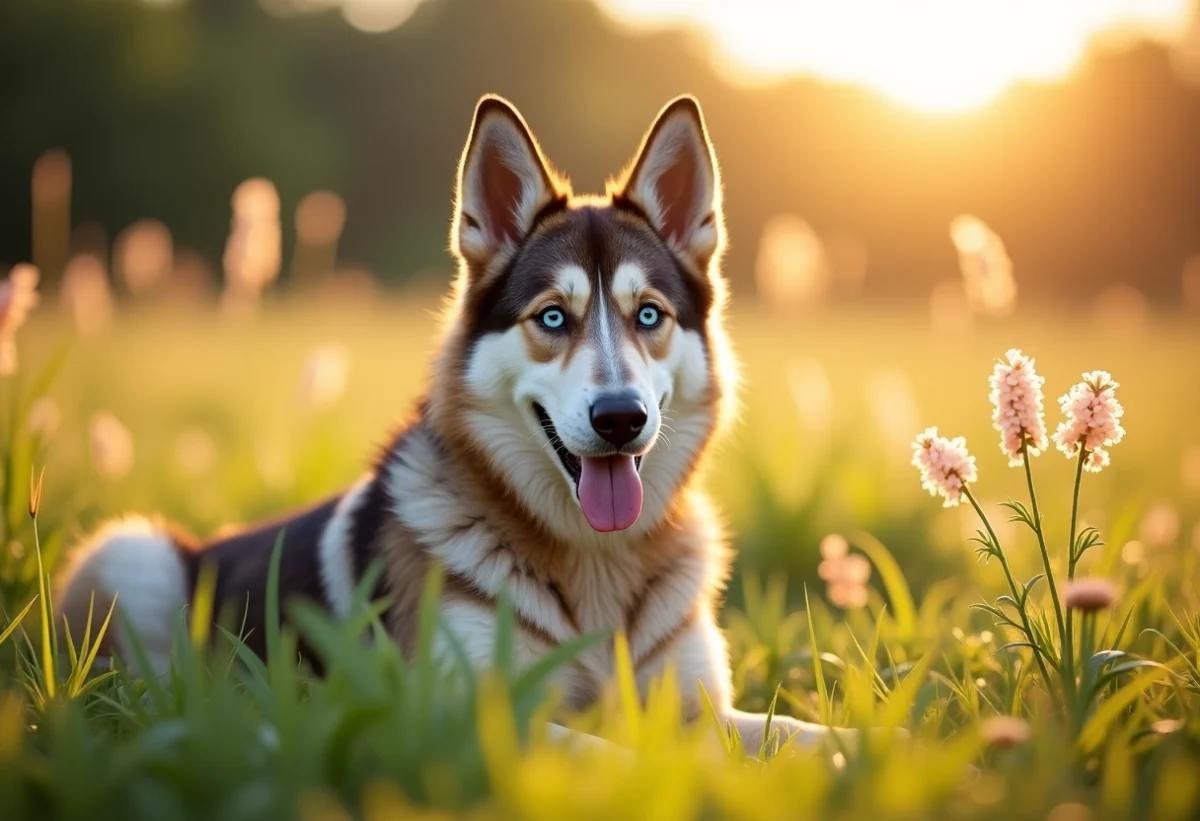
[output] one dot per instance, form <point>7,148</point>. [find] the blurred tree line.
<point>165,108</point>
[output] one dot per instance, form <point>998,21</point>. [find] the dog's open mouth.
<point>608,488</point>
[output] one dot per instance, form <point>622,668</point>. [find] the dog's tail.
<point>139,566</point>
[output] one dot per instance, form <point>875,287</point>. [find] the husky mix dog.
<point>581,376</point>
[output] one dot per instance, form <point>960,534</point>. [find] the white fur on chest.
<point>600,587</point>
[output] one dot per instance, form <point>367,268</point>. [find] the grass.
<point>229,736</point>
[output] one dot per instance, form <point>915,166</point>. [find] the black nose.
<point>618,418</point>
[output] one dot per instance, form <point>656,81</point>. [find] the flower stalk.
<point>1092,426</point>
<point>1018,596</point>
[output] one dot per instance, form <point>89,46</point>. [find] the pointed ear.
<point>503,184</point>
<point>674,181</point>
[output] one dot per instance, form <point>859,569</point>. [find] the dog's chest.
<point>558,593</point>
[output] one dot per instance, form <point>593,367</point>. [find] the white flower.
<point>946,467</point>
<point>1018,412</point>
<point>1093,420</point>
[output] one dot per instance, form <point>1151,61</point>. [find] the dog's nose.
<point>618,418</point>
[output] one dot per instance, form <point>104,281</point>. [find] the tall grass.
<point>225,734</point>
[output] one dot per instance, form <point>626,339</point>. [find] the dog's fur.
<point>485,479</point>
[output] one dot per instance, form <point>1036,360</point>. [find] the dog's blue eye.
<point>553,318</point>
<point>649,316</point>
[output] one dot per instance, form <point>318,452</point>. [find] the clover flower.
<point>1089,595</point>
<point>1019,413</point>
<point>946,467</point>
<point>1004,732</point>
<point>1093,420</point>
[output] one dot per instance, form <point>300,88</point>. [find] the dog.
<point>583,373</point>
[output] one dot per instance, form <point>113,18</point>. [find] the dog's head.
<point>585,353</point>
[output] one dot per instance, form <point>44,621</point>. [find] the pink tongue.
<point>610,492</point>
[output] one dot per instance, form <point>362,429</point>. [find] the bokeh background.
<point>239,211</point>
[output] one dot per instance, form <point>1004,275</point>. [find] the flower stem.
<point>1012,584</point>
<point>1072,558</point>
<point>1069,635</point>
<point>1037,527</point>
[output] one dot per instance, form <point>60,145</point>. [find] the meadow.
<point>217,419</point>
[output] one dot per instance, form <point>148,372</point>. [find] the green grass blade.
<point>826,708</point>
<point>893,582</point>
<point>15,623</point>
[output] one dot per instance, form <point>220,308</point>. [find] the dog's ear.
<point>503,184</point>
<point>675,182</point>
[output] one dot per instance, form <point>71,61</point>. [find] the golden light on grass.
<point>812,395</point>
<point>1133,552</point>
<point>1191,469</point>
<point>195,451</point>
<point>44,418</point>
<point>323,379</point>
<point>935,56</point>
<point>273,461</point>
<point>1160,524</point>
<point>791,270</point>
<point>997,514</point>
<point>893,404</point>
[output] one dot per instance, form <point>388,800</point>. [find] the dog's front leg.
<point>753,729</point>
<point>577,741</point>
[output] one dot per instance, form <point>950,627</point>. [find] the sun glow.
<point>932,55</point>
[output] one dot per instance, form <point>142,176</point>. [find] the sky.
<point>930,55</point>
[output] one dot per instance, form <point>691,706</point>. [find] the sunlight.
<point>932,55</point>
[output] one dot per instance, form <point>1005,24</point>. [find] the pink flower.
<point>18,296</point>
<point>946,467</point>
<point>1093,420</point>
<point>846,575</point>
<point>1004,732</point>
<point>1019,414</point>
<point>1089,595</point>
